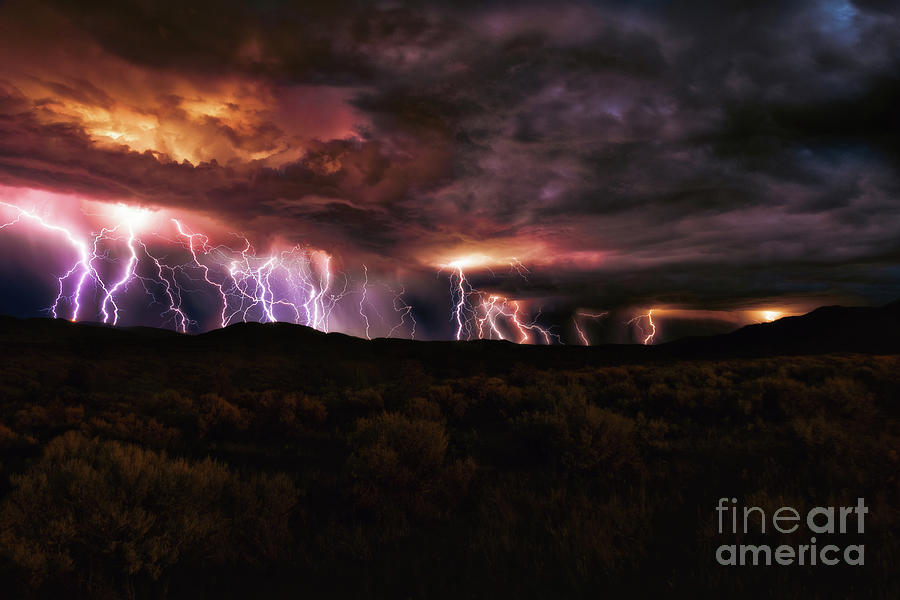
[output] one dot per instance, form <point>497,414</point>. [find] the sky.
<point>532,171</point>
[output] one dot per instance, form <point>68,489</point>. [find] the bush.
<point>399,466</point>
<point>113,515</point>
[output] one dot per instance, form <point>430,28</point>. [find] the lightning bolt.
<point>298,284</point>
<point>516,265</point>
<point>460,299</point>
<point>203,240</point>
<point>127,275</point>
<point>172,291</point>
<point>398,304</point>
<point>362,301</point>
<point>648,337</point>
<point>83,266</point>
<point>585,315</point>
<point>405,311</point>
<point>479,315</point>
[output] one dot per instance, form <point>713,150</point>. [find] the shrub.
<point>399,467</point>
<point>111,515</point>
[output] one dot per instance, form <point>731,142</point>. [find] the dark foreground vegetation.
<point>273,461</point>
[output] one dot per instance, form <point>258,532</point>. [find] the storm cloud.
<point>699,155</point>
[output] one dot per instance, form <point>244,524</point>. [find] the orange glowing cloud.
<point>739,316</point>
<point>505,252</point>
<point>224,117</point>
<point>224,121</point>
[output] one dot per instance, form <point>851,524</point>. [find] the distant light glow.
<point>473,261</point>
<point>133,217</point>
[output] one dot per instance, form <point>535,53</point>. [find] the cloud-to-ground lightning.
<point>481,315</point>
<point>200,284</point>
<point>297,285</point>
<point>362,300</point>
<point>581,315</point>
<point>402,308</point>
<point>649,333</point>
<point>81,270</point>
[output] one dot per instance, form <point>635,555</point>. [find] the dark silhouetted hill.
<point>830,329</point>
<point>874,330</point>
